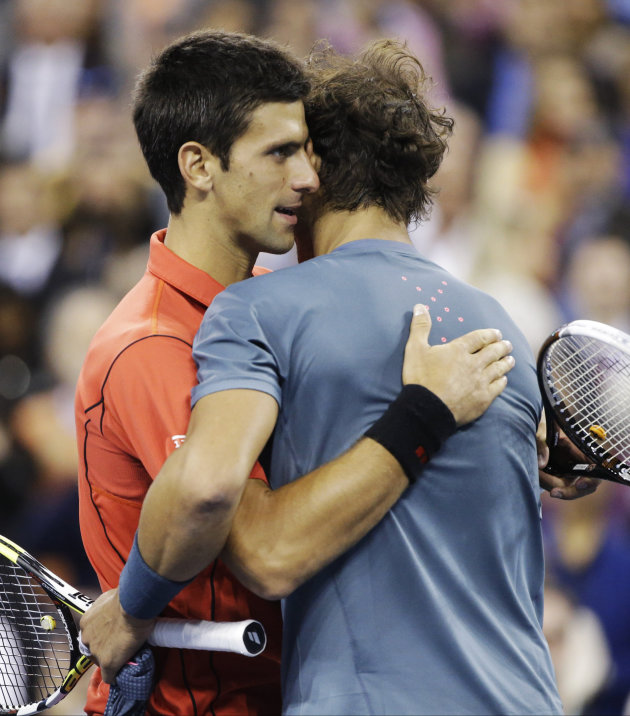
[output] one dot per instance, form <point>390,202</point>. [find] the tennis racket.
<point>584,376</point>
<point>40,650</point>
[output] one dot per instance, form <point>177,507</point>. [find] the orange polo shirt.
<point>132,410</point>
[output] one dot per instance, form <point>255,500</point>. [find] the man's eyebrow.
<point>285,145</point>
<point>292,144</point>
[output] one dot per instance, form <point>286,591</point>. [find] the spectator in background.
<point>295,24</point>
<point>578,646</point>
<point>42,423</point>
<point>135,29</point>
<point>564,111</point>
<point>18,344</point>
<point>470,36</point>
<point>30,240</point>
<point>588,555</point>
<point>529,32</point>
<point>104,198</point>
<point>18,358</point>
<point>55,48</point>
<point>608,57</point>
<point>449,236</point>
<point>231,15</point>
<point>591,175</point>
<point>514,253</point>
<point>535,193</point>
<point>598,281</point>
<point>17,474</point>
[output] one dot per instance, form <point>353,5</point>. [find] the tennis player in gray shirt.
<point>438,610</point>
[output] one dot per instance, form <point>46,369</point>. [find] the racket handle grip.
<point>245,637</point>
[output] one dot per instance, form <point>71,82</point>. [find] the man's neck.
<point>193,240</point>
<point>335,228</point>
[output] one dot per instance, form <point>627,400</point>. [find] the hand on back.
<point>467,374</point>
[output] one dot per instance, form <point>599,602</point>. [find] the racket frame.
<point>66,599</point>
<point>604,466</point>
<point>245,637</point>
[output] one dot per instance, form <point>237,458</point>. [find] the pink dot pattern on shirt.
<point>440,294</point>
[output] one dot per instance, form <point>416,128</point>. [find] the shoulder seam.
<point>101,400</point>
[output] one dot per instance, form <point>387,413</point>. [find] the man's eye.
<point>283,152</point>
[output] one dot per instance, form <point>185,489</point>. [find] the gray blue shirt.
<point>438,610</point>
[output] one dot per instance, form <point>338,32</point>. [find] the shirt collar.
<point>178,273</point>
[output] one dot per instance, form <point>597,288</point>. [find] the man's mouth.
<point>289,214</point>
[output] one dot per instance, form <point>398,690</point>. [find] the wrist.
<point>142,592</point>
<point>413,428</point>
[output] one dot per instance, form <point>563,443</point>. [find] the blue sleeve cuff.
<point>144,593</point>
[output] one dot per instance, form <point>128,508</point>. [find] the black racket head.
<point>584,376</point>
<point>38,641</point>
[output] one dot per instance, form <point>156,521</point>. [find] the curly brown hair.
<point>379,141</point>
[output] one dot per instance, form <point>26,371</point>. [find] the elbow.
<point>270,588</point>
<point>273,587</point>
<point>263,571</point>
<point>206,493</point>
<point>206,506</point>
<point>213,501</point>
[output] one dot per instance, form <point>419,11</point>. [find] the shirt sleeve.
<point>232,351</point>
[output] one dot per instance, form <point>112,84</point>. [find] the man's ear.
<point>197,165</point>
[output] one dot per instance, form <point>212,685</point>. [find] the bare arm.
<point>201,483</point>
<point>282,537</point>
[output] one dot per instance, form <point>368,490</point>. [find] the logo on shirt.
<point>178,440</point>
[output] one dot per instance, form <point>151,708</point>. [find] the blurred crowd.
<point>534,207</point>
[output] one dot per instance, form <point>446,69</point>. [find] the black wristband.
<point>413,428</point>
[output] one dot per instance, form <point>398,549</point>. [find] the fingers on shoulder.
<point>501,367</point>
<point>498,386</point>
<point>482,337</point>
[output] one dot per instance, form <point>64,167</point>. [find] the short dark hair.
<point>204,88</point>
<point>378,139</point>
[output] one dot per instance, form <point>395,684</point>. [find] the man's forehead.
<point>278,121</point>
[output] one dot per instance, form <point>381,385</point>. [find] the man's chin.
<point>282,244</point>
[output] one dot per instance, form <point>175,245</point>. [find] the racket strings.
<point>591,402</point>
<point>589,380</point>
<point>35,652</point>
